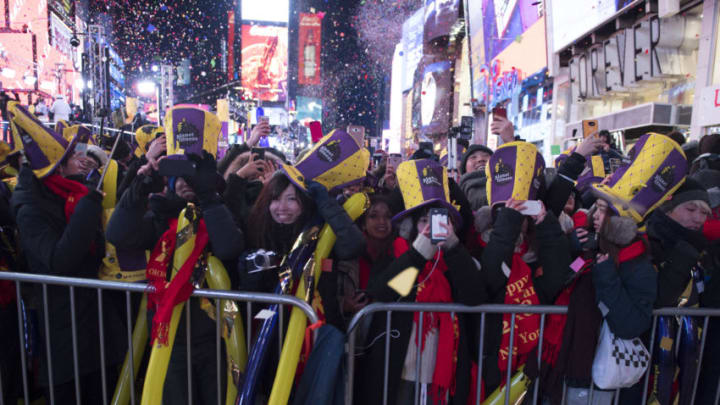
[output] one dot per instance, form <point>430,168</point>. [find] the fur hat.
<point>620,230</point>
<point>483,219</point>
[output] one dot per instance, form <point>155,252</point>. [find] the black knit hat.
<point>472,149</point>
<point>691,190</point>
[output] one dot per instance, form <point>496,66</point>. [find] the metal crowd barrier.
<point>514,310</point>
<point>72,283</point>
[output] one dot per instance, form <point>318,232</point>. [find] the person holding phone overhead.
<point>525,256</point>
<point>422,270</point>
<point>501,126</point>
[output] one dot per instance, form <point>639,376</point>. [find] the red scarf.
<point>168,294</point>
<point>434,287</point>
<point>69,190</point>
<point>519,290</point>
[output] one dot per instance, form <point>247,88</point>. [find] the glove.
<point>204,182</point>
<point>317,192</point>
<point>424,246</point>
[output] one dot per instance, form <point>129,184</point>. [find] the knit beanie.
<point>472,149</point>
<point>691,190</point>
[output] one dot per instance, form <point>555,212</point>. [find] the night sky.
<point>359,38</point>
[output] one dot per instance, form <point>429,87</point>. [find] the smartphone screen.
<point>532,207</point>
<point>438,216</point>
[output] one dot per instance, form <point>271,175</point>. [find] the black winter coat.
<point>564,183</point>
<point>467,287</point>
<point>553,254</point>
<point>675,251</point>
<point>134,226</point>
<point>71,248</point>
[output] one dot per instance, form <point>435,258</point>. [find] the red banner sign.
<point>309,48</point>
<point>231,45</point>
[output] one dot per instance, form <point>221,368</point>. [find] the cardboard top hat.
<point>144,135</point>
<point>60,127</point>
<point>337,160</point>
<point>83,133</point>
<point>44,148</point>
<point>515,171</point>
<point>657,168</point>
<point>191,130</point>
<point>422,183</point>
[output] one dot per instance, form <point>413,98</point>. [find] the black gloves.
<point>317,192</point>
<point>204,182</point>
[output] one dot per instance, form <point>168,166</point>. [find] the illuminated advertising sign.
<point>572,19</point>
<point>16,57</point>
<point>440,15</point>
<point>309,109</point>
<point>435,98</point>
<point>60,35</point>
<point>309,48</point>
<point>507,40</point>
<point>265,10</point>
<point>264,62</point>
<point>65,10</point>
<point>412,40</point>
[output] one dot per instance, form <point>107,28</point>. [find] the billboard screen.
<point>65,9</point>
<point>412,40</point>
<point>265,10</point>
<point>507,39</point>
<point>435,97</point>
<point>310,32</point>
<point>309,109</point>
<point>264,62</point>
<point>573,19</point>
<point>16,56</point>
<point>440,15</point>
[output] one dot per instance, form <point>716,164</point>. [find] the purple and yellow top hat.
<point>337,160</point>
<point>191,130</point>
<point>44,148</point>
<point>657,168</point>
<point>60,127</point>
<point>84,133</point>
<point>144,135</point>
<point>515,171</point>
<point>424,182</point>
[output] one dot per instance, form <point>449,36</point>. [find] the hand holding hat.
<point>317,192</point>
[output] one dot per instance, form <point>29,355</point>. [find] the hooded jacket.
<point>71,248</point>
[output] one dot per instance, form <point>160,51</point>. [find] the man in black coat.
<point>68,245</point>
<point>134,226</point>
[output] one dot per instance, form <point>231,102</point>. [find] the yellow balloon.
<point>518,387</point>
<point>217,279</point>
<point>139,340</point>
<point>354,206</point>
<point>160,354</point>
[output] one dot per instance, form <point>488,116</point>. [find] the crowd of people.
<point>612,236</point>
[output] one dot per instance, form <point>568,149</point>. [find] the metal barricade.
<point>72,284</point>
<point>514,310</point>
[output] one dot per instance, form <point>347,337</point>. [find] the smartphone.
<point>500,112</point>
<point>438,216</point>
<point>356,130</point>
<point>532,207</point>
<point>260,152</point>
<point>590,128</point>
<point>176,168</point>
<point>394,160</point>
<point>264,119</point>
<point>377,158</point>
